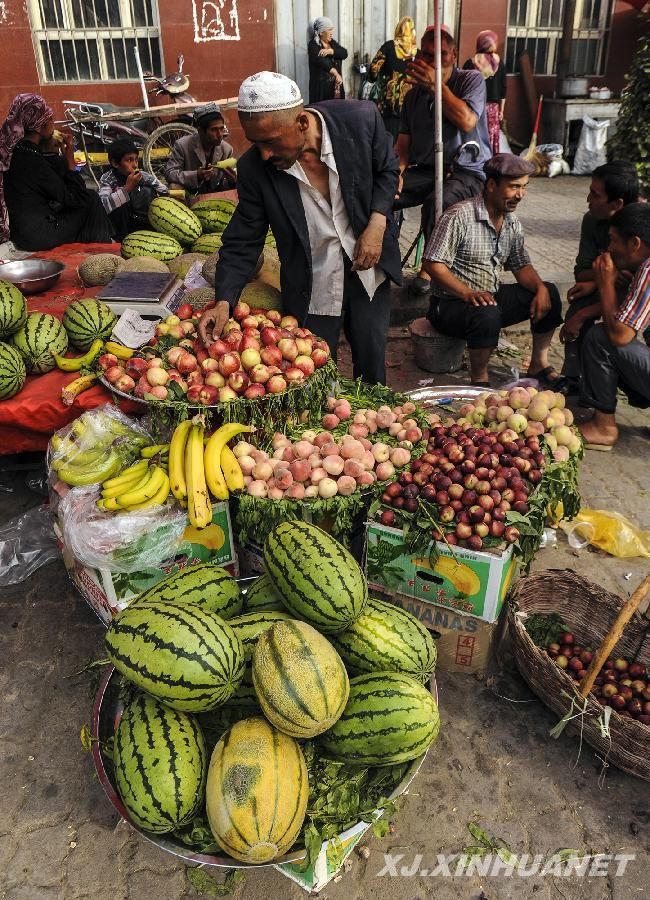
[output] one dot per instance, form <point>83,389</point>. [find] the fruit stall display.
<point>264,706</point>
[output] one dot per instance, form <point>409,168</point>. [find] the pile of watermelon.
<point>304,655</point>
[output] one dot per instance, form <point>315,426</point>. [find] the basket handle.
<point>611,638</point>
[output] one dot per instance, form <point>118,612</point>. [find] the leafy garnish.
<point>207,885</point>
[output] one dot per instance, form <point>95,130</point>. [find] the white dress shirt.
<point>330,235</point>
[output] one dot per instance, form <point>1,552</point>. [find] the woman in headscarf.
<point>43,201</point>
<point>325,63</point>
<point>489,64</point>
<point>388,69</point>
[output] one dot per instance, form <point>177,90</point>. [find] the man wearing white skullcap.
<point>323,178</point>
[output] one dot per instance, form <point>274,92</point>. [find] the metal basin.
<point>32,276</point>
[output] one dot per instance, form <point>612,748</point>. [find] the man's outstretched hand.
<point>212,322</point>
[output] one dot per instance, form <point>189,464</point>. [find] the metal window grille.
<point>94,40</point>
<point>536,26</point>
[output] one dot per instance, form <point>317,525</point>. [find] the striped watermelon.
<point>173,218</point>
<point>210,586</point>
<point>184,655</point>
<point>245,695</point>
<point>12,371</point>
<point>316,577</point>
<point>249,627</point>
<point>257,791</point>
<point>386,638</point>
<point>299,679</point>
<point>87,320</point>
<point>214,215</point>
<point>390,718</point>
<point>13,309</point>
<point>207,243</point>
<point>150,243</point>
<point>262,596</point>
<point>39,339</point>
<point>160,764</point>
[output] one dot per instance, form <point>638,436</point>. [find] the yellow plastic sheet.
<point>609,531</point>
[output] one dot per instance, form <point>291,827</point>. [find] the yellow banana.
<point>178,483</point>
<point>154,450</point>
<point>213,472</point>
<point>145,490</point>
<point>80,459</point>
<point>118,350</point>
<point>80,477</point>
<point>71,391</point>
<point>75,363</point>
<point>231,470</point>
<point>121,488</point>
<point>199,508</point>
<point>157,500</point>
<point>137,469</point>
<point>109,503</point>
<point>79,427</point>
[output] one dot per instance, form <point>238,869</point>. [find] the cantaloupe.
<point>100,269</point>
<point>259,295</point>
<point>143,264</point>
<point>183,263</point>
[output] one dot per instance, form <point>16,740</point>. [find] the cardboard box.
<point>472,583</point>
<point>107,593</point>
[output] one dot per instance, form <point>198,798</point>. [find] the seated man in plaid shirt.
<point>472,244</point>
<point>613,357</point>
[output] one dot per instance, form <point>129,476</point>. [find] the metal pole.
<point>566,41</point>
<point>437,125</point>
<point>138,64</point>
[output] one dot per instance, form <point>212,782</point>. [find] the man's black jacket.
<point>368,171</point>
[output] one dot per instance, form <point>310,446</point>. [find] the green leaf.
<point>380,828</point>
<point>86,738</point>
<point>508,858</point>
<point>479,834</point>
<point>206,884</point>
<point>566,854</point>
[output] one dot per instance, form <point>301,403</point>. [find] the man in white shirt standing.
<point>323,179</point>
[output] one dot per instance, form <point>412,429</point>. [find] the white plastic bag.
<point>591,151</point>
<point>26,543</point>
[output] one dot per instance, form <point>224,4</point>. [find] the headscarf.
<point>28,112</point>
<point>406,44</point>
<point>485,59</point>
<point>321,24</point>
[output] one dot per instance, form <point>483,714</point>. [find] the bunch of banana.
<point>142,485</point>
<point>222,470</point>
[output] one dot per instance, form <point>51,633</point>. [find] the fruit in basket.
<point>209,586</point>
<point>13,309</point>
<point>256,792</point>
<point>186,656</point>
<point>12,371</point>
<point>99,269</point>
<point>87,321</point>
<point>316,577</point>
<point>386,638</point>
<point>262,596</point>
<point>160,764</point>
<point>174,219</point>
<point>299,678</point>
<point>249,626</point>
<point>151,243</point>
<point>38,339</point>
<point>389,718</point>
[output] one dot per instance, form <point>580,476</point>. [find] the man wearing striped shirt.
<point>613,356</point>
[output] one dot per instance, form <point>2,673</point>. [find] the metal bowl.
<point>32,276</point>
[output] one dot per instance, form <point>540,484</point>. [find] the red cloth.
<point>28,420</point>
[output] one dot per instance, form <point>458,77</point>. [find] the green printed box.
<point>473,583</point>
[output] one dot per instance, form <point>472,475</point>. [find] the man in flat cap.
<point>323,178</point>
<point>191,163</point>
<point>472,244</point>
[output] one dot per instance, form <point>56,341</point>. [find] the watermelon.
<point>13,309</point>
<point>299,678</point>
<point>257,791</point>
<point>39,339</point>
<point>150,243</point>
<point>210,586</point>
<point>249,627</point>
<point>12,371</point>
<point>316,577</point>
<point>174,219</point>
<point>386,638</point>
<point>181,653</point>
<point>261,596</point>
<point>207,243</point>
<point>390,718</point>
<point>245,694</point>
<point>214,215</point>
<point>87,320</point>
<point>160,764</point>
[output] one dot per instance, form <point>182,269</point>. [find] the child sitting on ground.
<point>127,192</point>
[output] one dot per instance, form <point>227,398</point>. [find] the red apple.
<point>274,315</point>
<point>201,354</point>
<point>289,322</point>
<point>305,363</point>
<point>305,345</point>
<point>208,395</point>
<point>294,375</point>
<point>136,366</point>
<point>107,361</point>
<point>125,383</point>
<point>215,379</point>
<point>249,322</point>
<point>249,342</point>
<point>186,363</point>
<point>234,339</point>
<point>260,374</point>
<point>218,348</point>
<point>254,391</point>
<point>250,358</point>
<point>271,355</point>
<point>195,377</point>
<point>226,394</point>
<point>276,384</point>
<point>209,365</point>
<point>320,356</point>
<point>238,381</point>
<point>229,363</point>
<point>113,373</point>
<point>241,311</point>
<point>194,392</point>
<point>270,335</point>
<point>288,348</point>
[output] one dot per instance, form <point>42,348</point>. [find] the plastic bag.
<point>609,531</point>
<point>591,151</point>
<point>137,540</point>
<point>26,543</point>
<point>551,151</point>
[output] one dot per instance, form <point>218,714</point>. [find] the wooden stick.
<point>613,635</point>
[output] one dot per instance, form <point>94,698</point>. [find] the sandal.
<point>604,448</point>
<point>559,384</point>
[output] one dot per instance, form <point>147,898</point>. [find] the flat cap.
<point>509,165</point>
<point>207,111</point>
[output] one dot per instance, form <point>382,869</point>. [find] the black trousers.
<point>365,325</point>
<point>418,187</point>
<point>481,325</point>
<point>605,368</point>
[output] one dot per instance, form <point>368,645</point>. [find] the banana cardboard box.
<point>471,583</point>
<point>108,592</point>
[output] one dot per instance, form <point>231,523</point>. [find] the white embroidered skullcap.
<point>268,92</point>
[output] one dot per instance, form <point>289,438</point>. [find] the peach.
<point>333,465</point>
<point>330,449</point>
<point>247,464</point>
<point>327,488</point>
<point>311,491</point>
<point>366,478</point>
<point>330,421</point>
<point>283,478</point>
<point>157,377</point>
<point>322,439</point>
<point>384,471</point>
<point>368,461</point>
<point>353,468</point>
<point>296,491</point>
<point>159,391</point>
<point>303,449</point>
<point>352,449</point>
<point>346,485</point>
<point>381,452</point>
<point>242,448</point>
<point>343,409</point>
<point>317,475</point>
<point>358,431</point>
<point>400,457</point>
<point>258,489</point>
<point>300,469</point>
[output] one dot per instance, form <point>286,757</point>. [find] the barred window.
<point>536,26</point>
<point>94,40</point>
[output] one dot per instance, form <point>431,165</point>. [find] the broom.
<point>530,152</point>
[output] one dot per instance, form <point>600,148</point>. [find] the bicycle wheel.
<point>159,146</point>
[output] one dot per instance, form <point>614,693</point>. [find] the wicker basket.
<point>589,612</point>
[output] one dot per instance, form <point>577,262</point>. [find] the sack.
<point>591,151</point>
